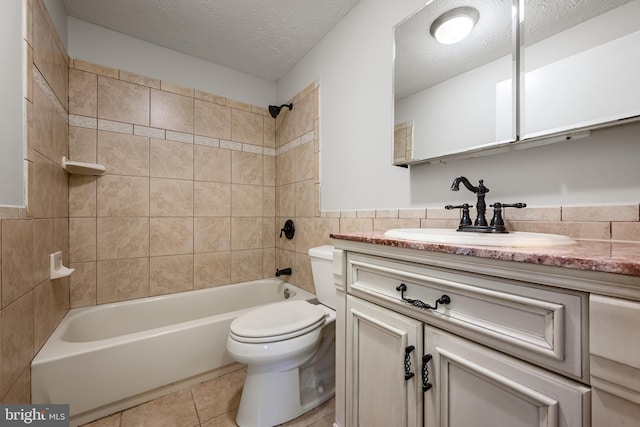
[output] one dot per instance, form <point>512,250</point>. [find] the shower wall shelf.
<point>82,168</point>
<point>56,269</point>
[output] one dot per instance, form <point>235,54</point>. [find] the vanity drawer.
<point>537,323</point>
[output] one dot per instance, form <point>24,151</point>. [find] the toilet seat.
<point>277,322</point>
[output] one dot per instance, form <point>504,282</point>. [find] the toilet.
<point>289,350</point>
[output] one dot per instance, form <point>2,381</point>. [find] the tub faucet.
<point>283,272</point>
<point>480,191</point>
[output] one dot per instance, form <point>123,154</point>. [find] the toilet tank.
<point>322,269</point>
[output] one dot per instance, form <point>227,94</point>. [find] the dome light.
<point>454,25</point>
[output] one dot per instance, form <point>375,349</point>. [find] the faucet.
<point>283,272</point>
<point>480,225</point>
<point>480,191</point>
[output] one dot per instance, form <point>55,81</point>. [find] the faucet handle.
<point>518,205</point>
<point>466,219</point>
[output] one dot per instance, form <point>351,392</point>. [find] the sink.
<point>453,237</point>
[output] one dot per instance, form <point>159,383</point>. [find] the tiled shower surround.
<point>196,188</point>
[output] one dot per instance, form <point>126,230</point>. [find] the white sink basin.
<point>453,237</point>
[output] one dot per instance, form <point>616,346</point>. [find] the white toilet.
<point>289,350</point>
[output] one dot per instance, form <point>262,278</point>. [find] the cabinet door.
<point>378,356</point>
<point>474,386</point>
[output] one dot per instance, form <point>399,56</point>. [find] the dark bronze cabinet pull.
<point>444,299</point>
<point>426,385</point>
<point>407,363</point>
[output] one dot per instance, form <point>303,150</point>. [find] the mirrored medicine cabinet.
<point>528,73</point>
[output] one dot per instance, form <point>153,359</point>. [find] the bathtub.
<point>100,358</point>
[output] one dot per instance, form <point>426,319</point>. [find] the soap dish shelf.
<point>82,168</point>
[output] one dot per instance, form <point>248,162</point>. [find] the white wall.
<point>11,106</point>
<point>354,66</point>
<point>99,45</point>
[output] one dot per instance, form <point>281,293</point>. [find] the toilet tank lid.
<point>324,252</point>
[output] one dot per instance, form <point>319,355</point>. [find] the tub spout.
<point>283,272</point>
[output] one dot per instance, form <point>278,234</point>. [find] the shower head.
<point>274,110</point>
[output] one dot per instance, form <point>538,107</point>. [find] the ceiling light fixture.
<point>454,25</point>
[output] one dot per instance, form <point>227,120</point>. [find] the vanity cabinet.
<point>512,344</point>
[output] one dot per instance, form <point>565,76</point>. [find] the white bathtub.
<point>104,355</point>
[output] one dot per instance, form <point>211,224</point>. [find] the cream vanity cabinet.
<point>510,348</point>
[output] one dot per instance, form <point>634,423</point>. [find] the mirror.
<point>460,97</point>
<point>581,64</point>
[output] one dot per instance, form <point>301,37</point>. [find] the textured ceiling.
<point>421,62</point>
<point>261,38</point>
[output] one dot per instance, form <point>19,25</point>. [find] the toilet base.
<point>271,397</point>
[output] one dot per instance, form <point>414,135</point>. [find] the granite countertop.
<point>594,255</point>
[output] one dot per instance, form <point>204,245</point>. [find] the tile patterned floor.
<point>210,404</point>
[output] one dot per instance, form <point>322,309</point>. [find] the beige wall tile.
<point>122,279</point>
<point>209,97</point>
<point>269,137</point>
<point>412,213</point>
<point>40,187</point>
<point>83,93</point>
<point>286,200</point>
<point>17,259</point>
<point>82,286</point>
<point>625,231</point>
<point>61,238</point>
<point>285,165</point>
<point>246,200</point>
<point>269,201</point>
<point>211,269</point>
<point>171,159</point>
<point>578,230</point>
<point>95,68</point>
<point>51,302</point>
<point>212,120</point>
<point>168,274</point>
<point>384,224</point>
<point>246,233</point>
<point>171,111</point>
<point>285,127</point>
<point>123,196</point>
<point>20,391</point>
<point>48,55</point>
<point>211,199</point>
<point>211,234</point>
<point>269,170</point>
<point>40,123</point>
<point>60,138</point>
<point>211,164</point>
<point>171,197</point>
<point>440,223</point>
<point>305,200</point>
<point>82,239</point>
<point>247,265</point>
<point>17,338</point>
<point>122,238</point>
<point>60,194</point>
<point>83,144</point>
<point>437,213</point>
<point>246,168</point>
<point>123,101</point>
<point>82,196</point>
<point>601,213</point>
<point>247,127</point>
<point>304,111</point>
<point>42,249</point>
<point>139,79</point>
<point>170,236</point>
<point>304,162</point>
<point>123,154</point>
<point>355,225</point>
<point>177,89</point>
<point>218,396</point>
<point>532,214</point>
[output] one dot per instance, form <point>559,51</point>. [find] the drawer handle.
<point>407,363</point>
<point>426,385</point>
<point>444,299</point>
